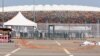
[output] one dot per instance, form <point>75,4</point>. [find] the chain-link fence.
<point>59,31</point>
<point>68,31</point>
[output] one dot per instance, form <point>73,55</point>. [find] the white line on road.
<point>12,52</point>
<point>66,51</point>
<point>71,55</point>
<point>58,43</point>
<point>15,50</point>
<point>8,54</point>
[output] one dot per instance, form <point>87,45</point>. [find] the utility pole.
<point>86,31</point>
<point>34,11</point>
<point>2,13</point>
<point>98,28</point>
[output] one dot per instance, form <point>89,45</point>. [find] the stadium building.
<point>52,21</point>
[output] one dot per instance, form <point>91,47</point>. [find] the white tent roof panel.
<point>20,20</point>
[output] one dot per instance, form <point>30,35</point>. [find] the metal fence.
<point>68,31</point>
<point>61,31</point>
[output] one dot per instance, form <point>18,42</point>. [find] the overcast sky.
<point>95,3</point>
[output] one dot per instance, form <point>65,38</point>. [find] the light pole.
<point>2,13</point>
<point>98,28</point>
<point>34,11</point>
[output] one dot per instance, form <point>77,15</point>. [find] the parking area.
<point>29,47</point>
<point>5,48</point>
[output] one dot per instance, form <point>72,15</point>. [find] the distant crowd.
<point>55,16</point>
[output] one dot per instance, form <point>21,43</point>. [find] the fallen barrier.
<point>90,43</point>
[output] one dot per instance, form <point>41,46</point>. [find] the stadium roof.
<point>50,8</point>
<point>20,20</point>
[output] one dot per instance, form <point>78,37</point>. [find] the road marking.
<point>66,51</point>
<point>8,54</point>
<point>58,43</point>
<point>15,50</point>
<point>71,55</point>
<point>12,52</point>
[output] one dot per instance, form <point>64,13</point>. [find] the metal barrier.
<point>62,31</point>
<point>4,39</point>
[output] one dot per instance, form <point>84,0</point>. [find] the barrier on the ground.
<point>4,39</point>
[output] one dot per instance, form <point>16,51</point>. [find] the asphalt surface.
<point>46,48</point>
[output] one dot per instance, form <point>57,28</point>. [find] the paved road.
<point>12,50</point>
<point>51,48</point>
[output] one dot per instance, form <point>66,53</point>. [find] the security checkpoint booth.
<point>5,35</point>
<point>21,26</point>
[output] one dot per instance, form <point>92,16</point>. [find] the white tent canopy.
<point>20,20</point>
